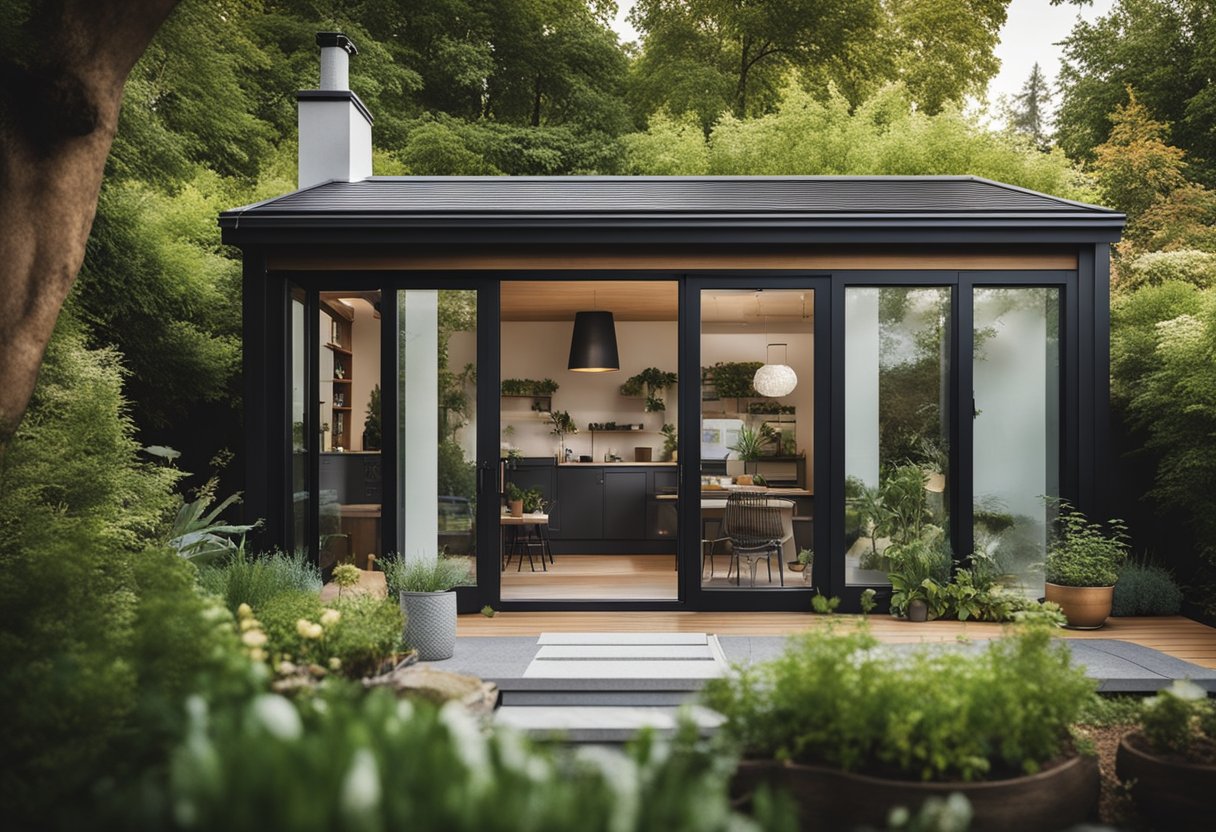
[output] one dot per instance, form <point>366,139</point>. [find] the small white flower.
<point>278,716</point>
<point>335,663</point>
<point>468,741</point>
<point>302,626</point>
<point>361,786</point>
<point>244,611</point>
<point>253,638</point>
<point>330,617</point>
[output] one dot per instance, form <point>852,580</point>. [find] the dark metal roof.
<point>603,202</point>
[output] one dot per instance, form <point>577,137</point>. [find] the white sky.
<point>1031,33</point>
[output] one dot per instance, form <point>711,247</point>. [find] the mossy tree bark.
<point>62,72</point>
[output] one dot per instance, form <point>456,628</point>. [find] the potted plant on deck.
<point>1083,563</point>
<point>851,730</point>
<point>1170,762</point>
<point>426,592</point>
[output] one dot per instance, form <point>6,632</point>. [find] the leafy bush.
<point>354,635</point>
<point>1197,268</point>
<point>255,580</point>
<point>1146,589</point>
<point>1082,553</point>
<point>425,576</point>
<point>837,699</point>
<point>368,763</point>
<point>1181,720</point>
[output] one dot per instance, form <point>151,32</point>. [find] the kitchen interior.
<point>589,447</point>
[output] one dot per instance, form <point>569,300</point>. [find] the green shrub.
<point>425,576</point>
<point>1146,589</point>
<point>836,699</point>
<point>1181,720</point>
<point>1083,553</point>
<point>255,580</point>
<point>343,762</point>
<point>354,635</point>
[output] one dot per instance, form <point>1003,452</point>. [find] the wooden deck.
<point>1177,636</point>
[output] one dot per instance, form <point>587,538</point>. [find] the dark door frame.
<point>787,598</point>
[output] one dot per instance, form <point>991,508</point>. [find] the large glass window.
<point>1016,462</point>
<point>300,486</point>
<point>437,416</point>
<point>897,428</point>
<point>348,393</point>
<point>756,442</point>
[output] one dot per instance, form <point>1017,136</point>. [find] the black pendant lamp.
<point>593,345</point>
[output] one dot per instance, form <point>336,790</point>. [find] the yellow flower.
<point>330,617</point>
<point>335,663</point>
<point>303,625</point>
<point>244,611</point>
<point>250,624</point>
<point>254,638</point>
<point>257,654</point>
<point>314,631</point>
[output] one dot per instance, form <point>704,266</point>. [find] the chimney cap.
<point>337,39</point>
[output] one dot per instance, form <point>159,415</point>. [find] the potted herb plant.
<point>426,592</point>
<point>1083,563</point>
<point>1170,761</point>
<point>803,564</point>
<point>992,725</point>
<point>515,500</point>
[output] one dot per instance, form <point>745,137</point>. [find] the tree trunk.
<point>58,116</point>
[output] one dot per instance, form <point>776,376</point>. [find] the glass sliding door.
<point>896,390</point>
<point>436,431</point>
<point>1016,428</point>
<point>300,432</point>
<point>756,439</point>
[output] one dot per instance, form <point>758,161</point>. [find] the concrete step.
<point>609,725</point>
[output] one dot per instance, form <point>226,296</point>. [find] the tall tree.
<point>1166,51</point>
<point>1136,165</point>
<point>62,69</point>
<point>710,56</point>
<point>1030,115</point>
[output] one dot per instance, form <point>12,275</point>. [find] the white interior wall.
<point>365,344</point>
<point>734,345</point>
<point>541,349</point>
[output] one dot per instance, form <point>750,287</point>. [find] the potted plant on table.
<point>1170,761</point>
<point>515,500</point>
<point>426,591</point>
<point>1083,563</point>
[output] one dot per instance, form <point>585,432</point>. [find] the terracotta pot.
<point>918,610</point>
<point>794,566</point>
<point>1085,607</point>
<point>516,507</point>
<point>1173,795</point>
<point>830,799</point>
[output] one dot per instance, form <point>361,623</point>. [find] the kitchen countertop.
<point>616,464</point>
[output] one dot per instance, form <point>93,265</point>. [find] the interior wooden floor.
<point>593,577</point>
<point>1175,635</point>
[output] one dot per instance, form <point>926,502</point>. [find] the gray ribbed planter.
<point>430,623</point>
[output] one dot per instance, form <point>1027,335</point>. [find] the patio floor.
<point>1175,636</point>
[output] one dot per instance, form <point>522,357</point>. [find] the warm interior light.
<point>593,344</point>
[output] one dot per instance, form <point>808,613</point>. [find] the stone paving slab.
<point>622,638</point>
<point>625,669</point>
<point>603,724</point>
<point>575,652</point>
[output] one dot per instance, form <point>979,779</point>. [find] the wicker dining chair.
<point>753,526</point>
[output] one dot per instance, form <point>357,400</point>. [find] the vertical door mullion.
<point>389,416</point>
<point>836,504</point>
<point>688,489</point>
<point>963,393</point>
<point>489,370</point>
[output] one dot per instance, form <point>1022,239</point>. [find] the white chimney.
<point>335,126</point>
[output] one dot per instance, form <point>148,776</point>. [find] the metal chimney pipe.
<point>336,49</point>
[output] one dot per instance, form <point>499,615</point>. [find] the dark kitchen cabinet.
<point>625,505</point>
<point>581,503</point>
